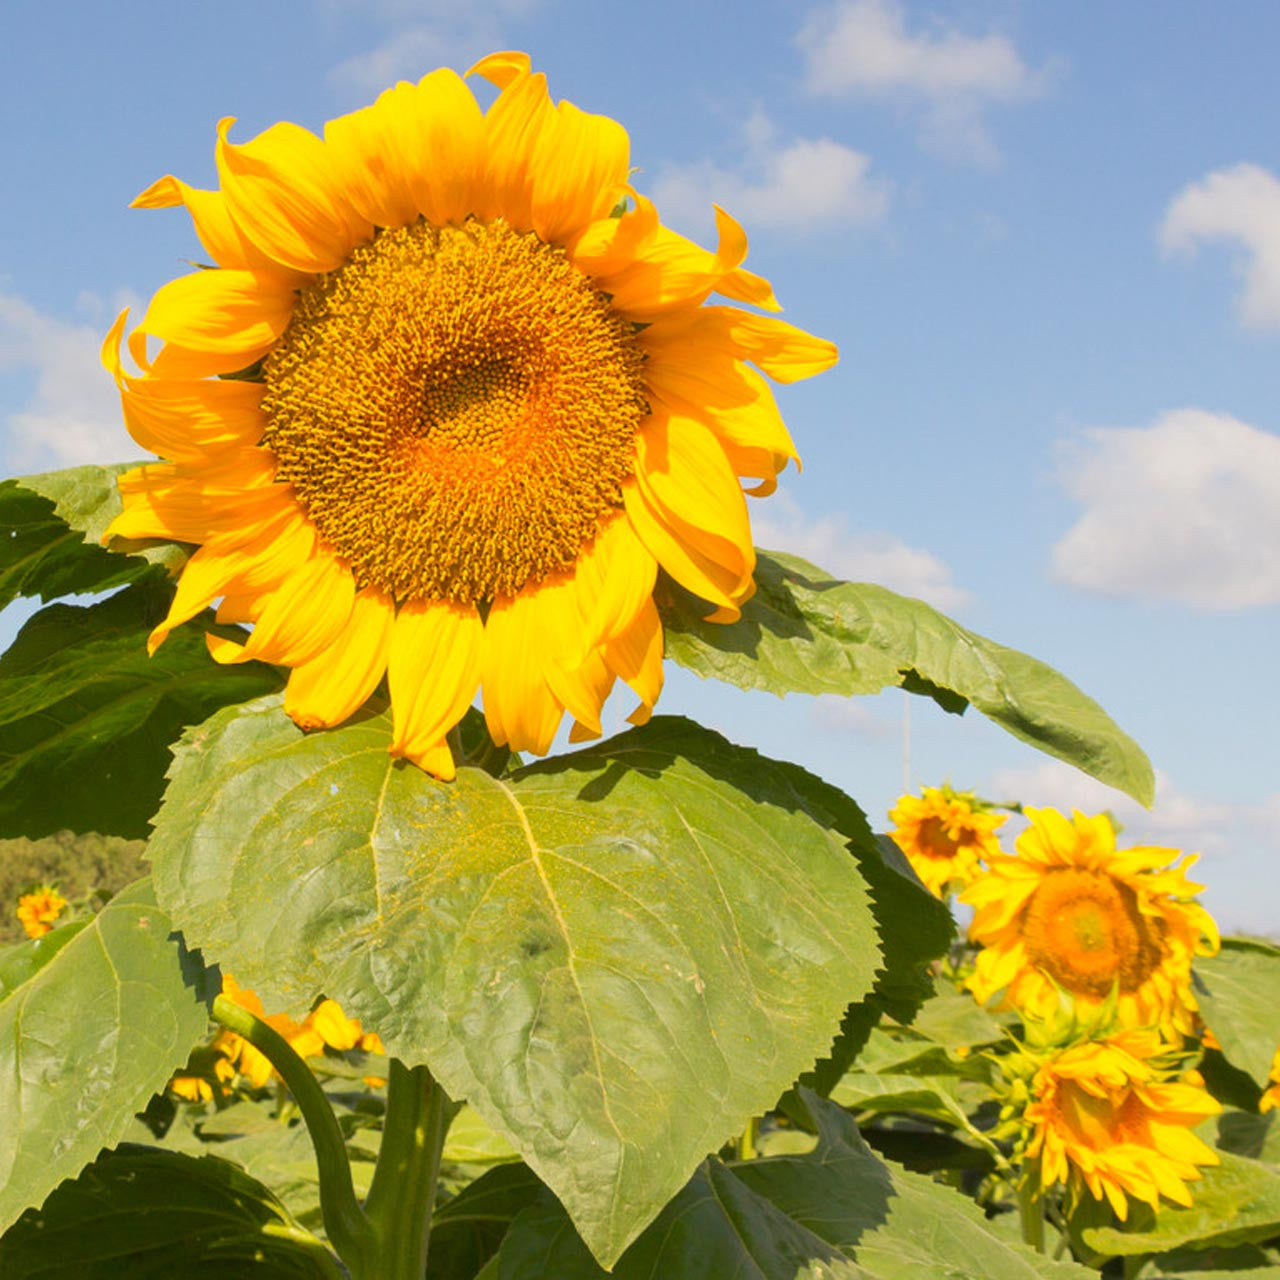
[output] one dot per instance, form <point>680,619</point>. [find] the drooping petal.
<point>613,578</point>
<point>304,616</point>
<point>285,193</point>
<point>687,483</point>
<point>636,657</point>
<point>338,681</point>
<point>433,673</point>
<point>520,708</point>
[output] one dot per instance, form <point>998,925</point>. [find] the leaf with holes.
<point>617,956</point>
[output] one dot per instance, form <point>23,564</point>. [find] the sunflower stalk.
<point>402,1195</point>
<point>349,1229</point>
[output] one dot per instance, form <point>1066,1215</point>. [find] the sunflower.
<point>1073,914</point>
<point>445,403</point>
<point>946,835</point>
<point>1112,1116</point>
<point>40,909</point>
<point>1271,1095</point>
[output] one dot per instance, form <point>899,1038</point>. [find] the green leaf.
<point>21,963</point>
<point>467,1230</point>
<point>954,1018</point>
<point>1246,1133</point>
<point>805,632</point>
<point>1238,991</point>
<point>87,1039</point>
<point>1234,1202</point>
<point>151,1214</point>
<point>617,956</point>
<point>836,1212</point>
<point>87,718</point>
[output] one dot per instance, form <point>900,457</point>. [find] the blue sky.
<point>1045,237</point>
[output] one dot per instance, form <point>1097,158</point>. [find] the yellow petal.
<point>513,125</point>
<point>580,167</point>
<point>500,69</point>
<point>784,352</point>
<point>285,194</point>
<point>336,683</point>
<point>686,480</point>
<point>433,673</point>
<point>636,656</point>
<point>614,578</point>
<point>333,1026</point>
<point>225,242</point>
<point>519,706</point>
<point>303,616</point>
<point>225,313</point>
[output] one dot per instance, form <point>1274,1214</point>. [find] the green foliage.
<point>81,866</point>
<point>805,632</point>
<point>152,1215</point>
<point>86,1038</point>
<point>838,1211</point>
<point>1234,1202</point>
<point>87,718</point>
<point>1238,991</point>
<point>617,956</point>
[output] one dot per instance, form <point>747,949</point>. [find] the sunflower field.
<point>409,988</point>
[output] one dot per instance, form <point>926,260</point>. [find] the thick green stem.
<point>403,1192</point>
<point>1031,1209</point>
<point>747,1149</point>
<point>346,1224</point>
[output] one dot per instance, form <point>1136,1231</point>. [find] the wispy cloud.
<point>420,35</point>
<point>797,185</point>
<point>857,557</point>
<point>863,48</point>
<point>72,413</point>
<point>1187,510</point>
<point>1240,205</point>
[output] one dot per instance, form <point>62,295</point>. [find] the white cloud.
<point>797,186</point>
<point>1176,819</point>
<point>423,35</point>
<point>72,415</point>
<point>1186,510</point>
<point>857,557</point>
<point>1241,204</point>
<point>862,48</point>
<point>852,716</point>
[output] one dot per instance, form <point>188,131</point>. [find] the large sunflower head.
<point>446,402</point>
<point>946,835</point>
<point>1114,1117</point>
<point>1071,913</point>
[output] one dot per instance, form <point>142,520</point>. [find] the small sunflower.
<point>1072,913</point>
<point>946,836</point>
<point>446,402</point>
<point>1112,1116</point>
<point>39,910</point>
<point>1271,1095</point>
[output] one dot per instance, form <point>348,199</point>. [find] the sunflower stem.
<point>403,1192</point>
<point>349,1230</point>
<point>747,1148</point>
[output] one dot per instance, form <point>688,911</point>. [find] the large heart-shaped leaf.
<point>87,718</point>
<point>86,1038</point>
<point>806,632</point>
<point>836,1213</point>
<point>151,1214</point>
<point>618,956</point>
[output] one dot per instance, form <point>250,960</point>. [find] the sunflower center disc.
<point>456,409</point>
<point>1086,931</point>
